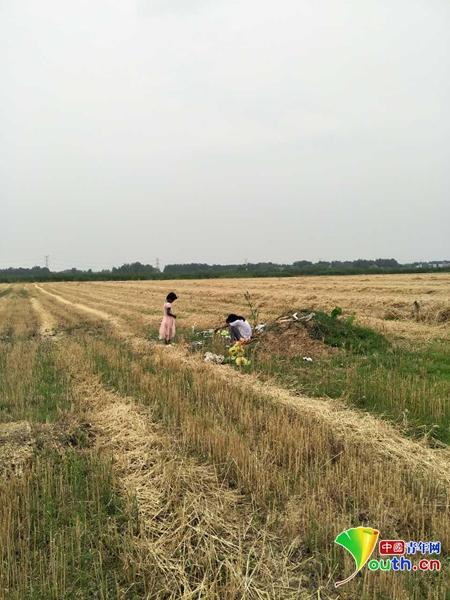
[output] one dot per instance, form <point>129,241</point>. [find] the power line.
<point>64,263</point>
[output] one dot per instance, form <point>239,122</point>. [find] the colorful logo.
<point>391,547</point>
<point>360,542</point>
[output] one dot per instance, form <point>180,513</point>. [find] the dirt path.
<point>48,324</point>
<point>377,435</point>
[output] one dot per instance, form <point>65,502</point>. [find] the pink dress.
<point>167,329</point>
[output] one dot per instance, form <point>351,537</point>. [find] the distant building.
<point>444,264</point>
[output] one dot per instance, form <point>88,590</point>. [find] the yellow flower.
<point>236,349</point>
<point>241,361</point>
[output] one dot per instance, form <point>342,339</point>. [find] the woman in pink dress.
<point>167,329</point>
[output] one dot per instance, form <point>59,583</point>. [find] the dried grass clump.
<point>20,440</point>
<point>393,314</point>
<point>16,448</point>
<point>443,315</point>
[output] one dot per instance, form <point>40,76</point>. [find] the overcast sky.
<point>223,130</point>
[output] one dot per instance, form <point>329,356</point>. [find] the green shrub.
<point>344,333</point>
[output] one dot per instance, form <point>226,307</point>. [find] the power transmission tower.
<point>47,259</point>
<point>157,264</point>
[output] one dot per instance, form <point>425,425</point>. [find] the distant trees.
<point>301,264</point>
<point>18,273</point>
<point>134,270</point>
<point>187,269</point>
<point>386,262</point>
<point>137,270</point>
<point>299,267</point>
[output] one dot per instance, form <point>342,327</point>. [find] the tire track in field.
<point>374,434</point>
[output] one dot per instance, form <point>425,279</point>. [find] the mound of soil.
<point>292,339</point>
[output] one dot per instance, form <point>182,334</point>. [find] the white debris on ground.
<point>304,318</point>
<point>217,359</point>
<point>205,333</point>
<point>260,327</point>
<point>197,344</point>
<point>307,359</point>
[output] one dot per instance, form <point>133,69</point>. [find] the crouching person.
<point>239,328</point>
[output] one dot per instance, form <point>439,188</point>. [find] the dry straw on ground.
<point>16,448</point>
<point>196,536</point>
<point>238,487</point>
<point>203,303</point>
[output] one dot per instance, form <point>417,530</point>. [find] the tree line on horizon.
<point>137,270</point>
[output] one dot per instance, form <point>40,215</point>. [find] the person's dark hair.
<point>171,297</point>
<point>231,318</point>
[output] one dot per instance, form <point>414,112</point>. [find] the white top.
<point>243,327</point>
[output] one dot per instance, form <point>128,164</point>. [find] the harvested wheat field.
<point>135,470</point>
